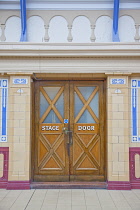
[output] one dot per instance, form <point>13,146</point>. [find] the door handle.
<point>70,137</point>
<point>66,132</point>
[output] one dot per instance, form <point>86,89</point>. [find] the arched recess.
<point>35,29</point>
<point>103,29</point>
<point>13,29</point>
<point>81,30</point>
<point>127,29</point>
<point>58,30</point>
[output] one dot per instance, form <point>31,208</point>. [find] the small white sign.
<point>66,121</point>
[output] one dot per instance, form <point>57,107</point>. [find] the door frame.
<point>33,117</point>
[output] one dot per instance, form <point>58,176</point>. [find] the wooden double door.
<point>69,132</point>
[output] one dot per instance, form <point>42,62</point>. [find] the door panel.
<point>69,132</point>
<point>87,150</point>
<point>52,162</point>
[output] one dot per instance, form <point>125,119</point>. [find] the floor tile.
<point>119,199</point>
<point>79,207</point>
<point>22,200</point>
<point>48,207</point>
<point>105,199</point>
<point>132,199</point>
<point>36,200</point>
<point>91,198</point>
<point>78,201</point>
<point>69,200</point>
<point>64,201</point>
<point>63,207</point>
<point>9,199</point>
<point>137,193</point>
<point>92,207</point>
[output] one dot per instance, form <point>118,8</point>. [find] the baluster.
<point>137,36</point>
<point>2,38</point>
<point>93,38</point>
<point>46,37</point>
<point>70,38</point>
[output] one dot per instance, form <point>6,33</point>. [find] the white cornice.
<point>68,5</point>
<point>70,50</point>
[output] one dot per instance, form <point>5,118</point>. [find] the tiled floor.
<point>69,200</point>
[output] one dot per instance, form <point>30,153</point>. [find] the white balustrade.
<point>70,26</point>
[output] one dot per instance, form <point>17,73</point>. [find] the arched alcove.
<point>127,29</point>
<point>103,29</point>
<point>58,30</point>
<point>35,29</point>
<point>81,30</point>
<point>13,29</point>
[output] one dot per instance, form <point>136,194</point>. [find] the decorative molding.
<point>135,84</point>
<point>118,81</point>
<point>4,178</point>
<point>118,185</point>
<point>67,4</point>
<point>71,50</point>
<point>20,81</point>
<point>135,182</point>
<point>4,99</point>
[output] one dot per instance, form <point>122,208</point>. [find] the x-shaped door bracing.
<point>86,104</point>
<point>51,104</point>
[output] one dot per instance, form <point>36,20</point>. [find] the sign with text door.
<point>69,135</point>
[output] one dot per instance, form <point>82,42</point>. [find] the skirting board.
<point>119,185</point>
<point>18,185</point>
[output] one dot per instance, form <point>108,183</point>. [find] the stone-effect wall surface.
<point>118,118</point>
<point>19,130</point>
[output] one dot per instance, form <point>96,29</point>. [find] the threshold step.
<point>68,185</point>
